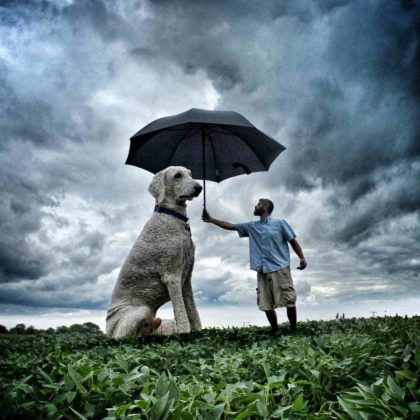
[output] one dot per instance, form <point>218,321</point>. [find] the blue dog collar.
<point>173,213</point>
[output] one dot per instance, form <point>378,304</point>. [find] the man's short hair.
<point>268,203</point>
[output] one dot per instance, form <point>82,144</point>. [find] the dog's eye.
<point>178,175</point>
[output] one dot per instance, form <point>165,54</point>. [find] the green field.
<point>347,368</point>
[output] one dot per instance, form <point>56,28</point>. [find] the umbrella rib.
<point>214,155</point>
<point>235,135</point>
<point>178,144</point>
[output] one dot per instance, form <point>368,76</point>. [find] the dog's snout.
<point>197,190</point>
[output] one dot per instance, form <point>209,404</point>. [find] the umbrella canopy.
<point>214,145</point>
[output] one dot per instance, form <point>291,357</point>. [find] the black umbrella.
<point>214,145</point>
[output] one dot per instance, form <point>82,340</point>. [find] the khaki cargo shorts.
<point>275,290</point>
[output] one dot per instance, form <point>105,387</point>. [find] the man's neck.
<point>264,216</point>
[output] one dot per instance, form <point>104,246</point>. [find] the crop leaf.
<point>395,389</point>
<point>215,412</point>
<point>414,407</point>
<point>81,416</point>
<point>76,379</point>
<point>45,375</point>
<point>299,404</point>
<point>160,410</point>
<point>354,414</point>
<point>245,414</point>
<point>262,408</point>
<point>278,412</point>
<point>161,385</point>
<point>103,374</point>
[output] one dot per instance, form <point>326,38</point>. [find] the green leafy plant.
<point>347,368</point>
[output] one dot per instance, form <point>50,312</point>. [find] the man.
<point>270,258</point>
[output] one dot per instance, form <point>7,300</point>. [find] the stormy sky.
<point>336,82</point>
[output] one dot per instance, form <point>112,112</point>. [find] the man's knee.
<point>270,311</point>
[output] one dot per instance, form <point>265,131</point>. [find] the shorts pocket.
<point>289,295</point>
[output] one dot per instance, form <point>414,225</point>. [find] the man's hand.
<point>206,216</point>
<point>302,264</point>
<point>296,247</point>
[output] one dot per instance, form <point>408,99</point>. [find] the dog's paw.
<point>196,326</point>
<point>167,327</point>
<point>149,326</point>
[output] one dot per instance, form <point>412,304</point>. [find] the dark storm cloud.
<point>401,197</point>
<point>41,119</point>
<point>226,39</point>
<point>20,216</point>
<point>391,53</point>
<point>361,116</point>
<point>353,128</point>
<point>45,86</point>
<point>41,297</point>
<point>30,189</point>
<point>23,119</point>
<point>361,101</point>
<point>379,126</point>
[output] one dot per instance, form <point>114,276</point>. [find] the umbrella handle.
<point>203,140</point>
<point>204,195</point>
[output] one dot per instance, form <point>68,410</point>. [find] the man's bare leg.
<point>272,318</point>
<point>292,315</point>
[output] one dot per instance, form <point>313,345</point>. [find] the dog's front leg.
<point>192,312</point>
<point>173,283</point>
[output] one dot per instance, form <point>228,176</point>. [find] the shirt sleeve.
<point>242,229</point>
<point>287,231</point>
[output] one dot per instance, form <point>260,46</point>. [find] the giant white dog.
<point>159,266</point>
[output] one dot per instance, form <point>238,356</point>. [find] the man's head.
<point>264,207</point>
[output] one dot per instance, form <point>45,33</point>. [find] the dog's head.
<point>174,185</point>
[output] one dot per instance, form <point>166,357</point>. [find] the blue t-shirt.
<point>268,246</point>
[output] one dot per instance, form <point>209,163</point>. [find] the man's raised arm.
<point>225,225</point>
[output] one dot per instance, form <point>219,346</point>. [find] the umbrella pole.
<point>203,140</point>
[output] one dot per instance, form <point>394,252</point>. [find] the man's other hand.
<point>302,264</point>
<point>206,216</point>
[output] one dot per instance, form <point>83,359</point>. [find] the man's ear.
<point>157,187</point>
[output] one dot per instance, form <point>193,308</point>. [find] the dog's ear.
<point>157,186</point>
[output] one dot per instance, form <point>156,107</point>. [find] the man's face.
<point>259,209</point>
